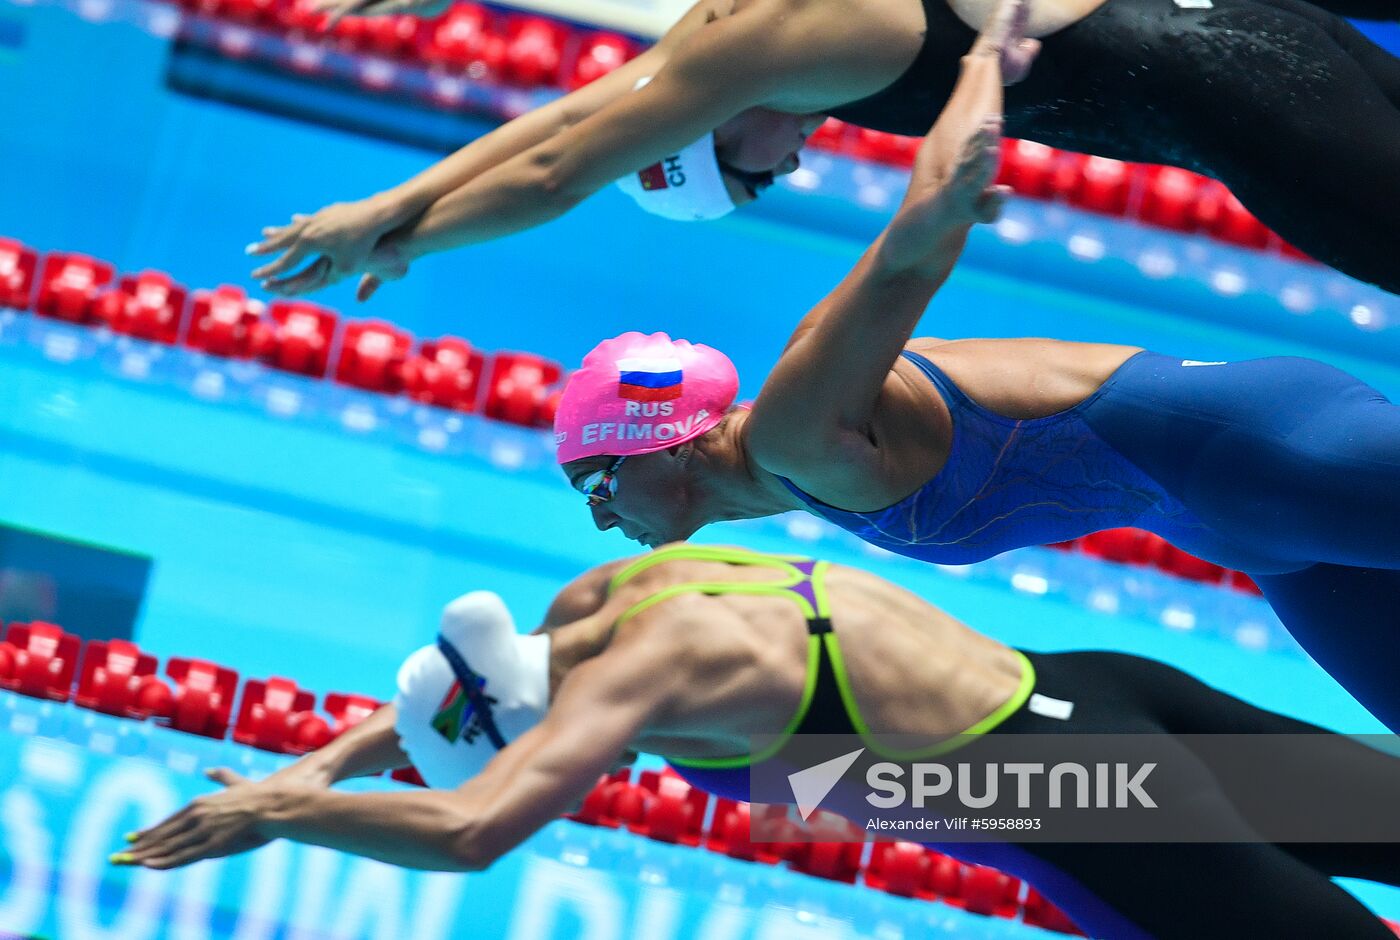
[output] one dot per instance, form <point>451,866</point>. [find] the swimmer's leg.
<point>1299,129</point>
<point>1222,890</point>
<point>1348,619</point>
<point>1302,765</point>
<point>1333,479</point>
<point>1378,63</point>
<point>1288,891</point>
<point>1294,458</point>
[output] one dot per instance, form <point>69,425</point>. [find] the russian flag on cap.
<point>649,379</point>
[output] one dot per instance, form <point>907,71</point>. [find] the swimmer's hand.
<point>944,201</point>
<point>338,9</point>
<point>387,262</point>
<point>1003,36</point>
<point>337,241</point>
<point>953,183</point>
<point>211,826</point>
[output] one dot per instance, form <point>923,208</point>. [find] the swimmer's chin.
<point>650,541</point>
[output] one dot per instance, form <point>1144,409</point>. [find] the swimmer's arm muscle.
<point>822,396</point>
<point>583,596</point>
<point>600,708</point>
<point>413,196</point>
<point>370,747</point>
<point>732,64</point>
<point>810,420</point>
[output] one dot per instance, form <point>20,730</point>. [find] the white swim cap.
<point>481,686</point>
<point>687,186</point>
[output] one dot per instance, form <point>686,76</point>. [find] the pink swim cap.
<point>637,394</point>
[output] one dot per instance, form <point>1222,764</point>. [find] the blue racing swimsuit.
<point>1285,468</point>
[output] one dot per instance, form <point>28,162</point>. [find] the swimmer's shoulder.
<point>807,54</point>
<point>584,595</point>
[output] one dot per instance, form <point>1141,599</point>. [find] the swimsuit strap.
<point>804,583</point>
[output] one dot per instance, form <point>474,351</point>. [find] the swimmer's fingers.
<point>278,237</point>
<point>369,283</point>
<point>288,260</point>
<point>142,853</point>
<point>212,825</point>
<point>196,846</point>
<point>386,263</point>
<point>1004,29</point>
<point>972,182</point>
<point>980,157</point>
<point>176,823</point>
<point>1016,60</point>
<point>316,275</point>
<point>989,205</point>
<point>225,776</point>
<point>204,850</point>
<point>1004,36</point>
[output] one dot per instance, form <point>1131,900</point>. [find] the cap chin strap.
<point>474,688</point>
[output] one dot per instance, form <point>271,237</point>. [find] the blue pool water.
<point>303,530</point>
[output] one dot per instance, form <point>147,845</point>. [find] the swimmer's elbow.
<point>558,179</point>
<point>472,849</point>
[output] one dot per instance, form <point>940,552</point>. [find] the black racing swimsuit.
<point>1287,104</point>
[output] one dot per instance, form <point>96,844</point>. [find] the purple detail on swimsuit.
<point>804,588</point>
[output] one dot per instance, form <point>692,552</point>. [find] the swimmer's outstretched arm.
<point>540,165</point>
<point>338,238</point>
<point>371,747</point>
<point>599,709</point>
<point>823,392</point>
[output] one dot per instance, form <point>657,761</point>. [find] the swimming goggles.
<point>600,486</point>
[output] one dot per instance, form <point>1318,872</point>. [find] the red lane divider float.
<point>1136,547</point>
<point>17,267</point>
<point>39,660</point>
<point>296,337</point>
<point>275,715</point>
<point>224,322</point>
<point>446,372</point>
<point>202,699</point>
<point>69,286</point>
<point>112,677</point>
<point>149,306</point>
<point>293,336</point>
<point>378,356</point>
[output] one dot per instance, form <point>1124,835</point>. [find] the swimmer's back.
<point>913,668</point>
<point>1019,378</point>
